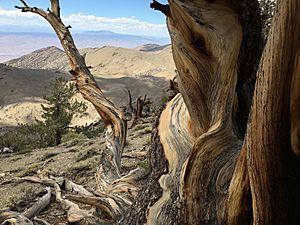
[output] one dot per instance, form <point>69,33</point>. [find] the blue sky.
<point>122,16</point>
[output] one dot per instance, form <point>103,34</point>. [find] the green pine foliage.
<point>57,116</point>
<point>60,111</point>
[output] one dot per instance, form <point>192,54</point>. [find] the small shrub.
<point>147,131</point>
<point>71,143</point>
<point>48,156</point>
<point>141,126</point>
<point>80,167</point>
<point>92,130</point>
<point>57,117</point>
<point>31,170</point>
<point>164,100</point>
<point>145,165</point>
<point>25,137</point>
<point>71,136</point>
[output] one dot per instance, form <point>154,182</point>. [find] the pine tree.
<point>60,110</point>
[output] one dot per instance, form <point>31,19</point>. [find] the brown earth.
<point>75,160</point>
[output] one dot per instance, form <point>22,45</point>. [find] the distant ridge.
<point>46,58</point>
<point>16,44</point>
<point>149,59</point>
<point>151,47</point>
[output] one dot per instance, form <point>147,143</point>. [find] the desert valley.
<point>143,70</point>
<point>184,112</point>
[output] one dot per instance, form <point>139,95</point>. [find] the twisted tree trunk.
<point>213,177</point>
<point>203,169</point>
<point>116,192</point>
<point>112,117</point>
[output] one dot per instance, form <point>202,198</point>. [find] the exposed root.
<point>40,221</point>
<point>75,214</point>
<point>134,155</point>
<point>14,218</point>
<point>39,206</point>
<point>8,217</point>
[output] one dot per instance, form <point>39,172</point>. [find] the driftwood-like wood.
<point>239,210</point>
<point>203,170</point>
<point>177,143</point>
<point>111,115</point>
<point>40,221</point>
<point>119,191</point>
<point>272,165</point>
<point>8,217</point>
<point>137,111</point>
<point>266,169</point>
<point>39,206</point>
<point>75,214</point>
<point>206,60</point>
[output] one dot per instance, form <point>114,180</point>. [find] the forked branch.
<point>112,117</point>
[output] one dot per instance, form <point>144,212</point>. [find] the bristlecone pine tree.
<point>210,164</point>
<point>60,110</point>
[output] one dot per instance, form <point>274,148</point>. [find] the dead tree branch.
<point>8,217</point>
<point>165,9</point>
<point>39,206</point>
<point>55,8</point>
<point>113,118</point>
<point>137,111</point>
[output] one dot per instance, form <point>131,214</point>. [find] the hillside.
<point>109,61</point>
<point>21,92</point>
<point>73,161</point>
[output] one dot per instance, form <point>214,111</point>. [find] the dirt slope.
<point>21,92</point>
<point>149,59</point>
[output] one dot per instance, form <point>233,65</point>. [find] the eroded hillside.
<point>109,61</point>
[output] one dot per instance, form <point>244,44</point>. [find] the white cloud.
<point>81,22</point>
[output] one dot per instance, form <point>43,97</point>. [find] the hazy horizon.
<point>16,44</point>
<point>134,17</point>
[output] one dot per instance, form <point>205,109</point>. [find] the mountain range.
<point>150,59</point>
<point>16,44</point>
<point>23,81</point>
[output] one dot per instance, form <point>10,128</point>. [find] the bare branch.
<point>11,217</point>
<point>27,8</point>
<point>39,206</point>
<point>165,9</point>
<point>24,3</point>
<point>85,82</point>
<point>130,100</point>
<point>55,9</point>
<point>106,204</point>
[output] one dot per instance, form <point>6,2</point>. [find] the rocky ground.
<point>75,160</point>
